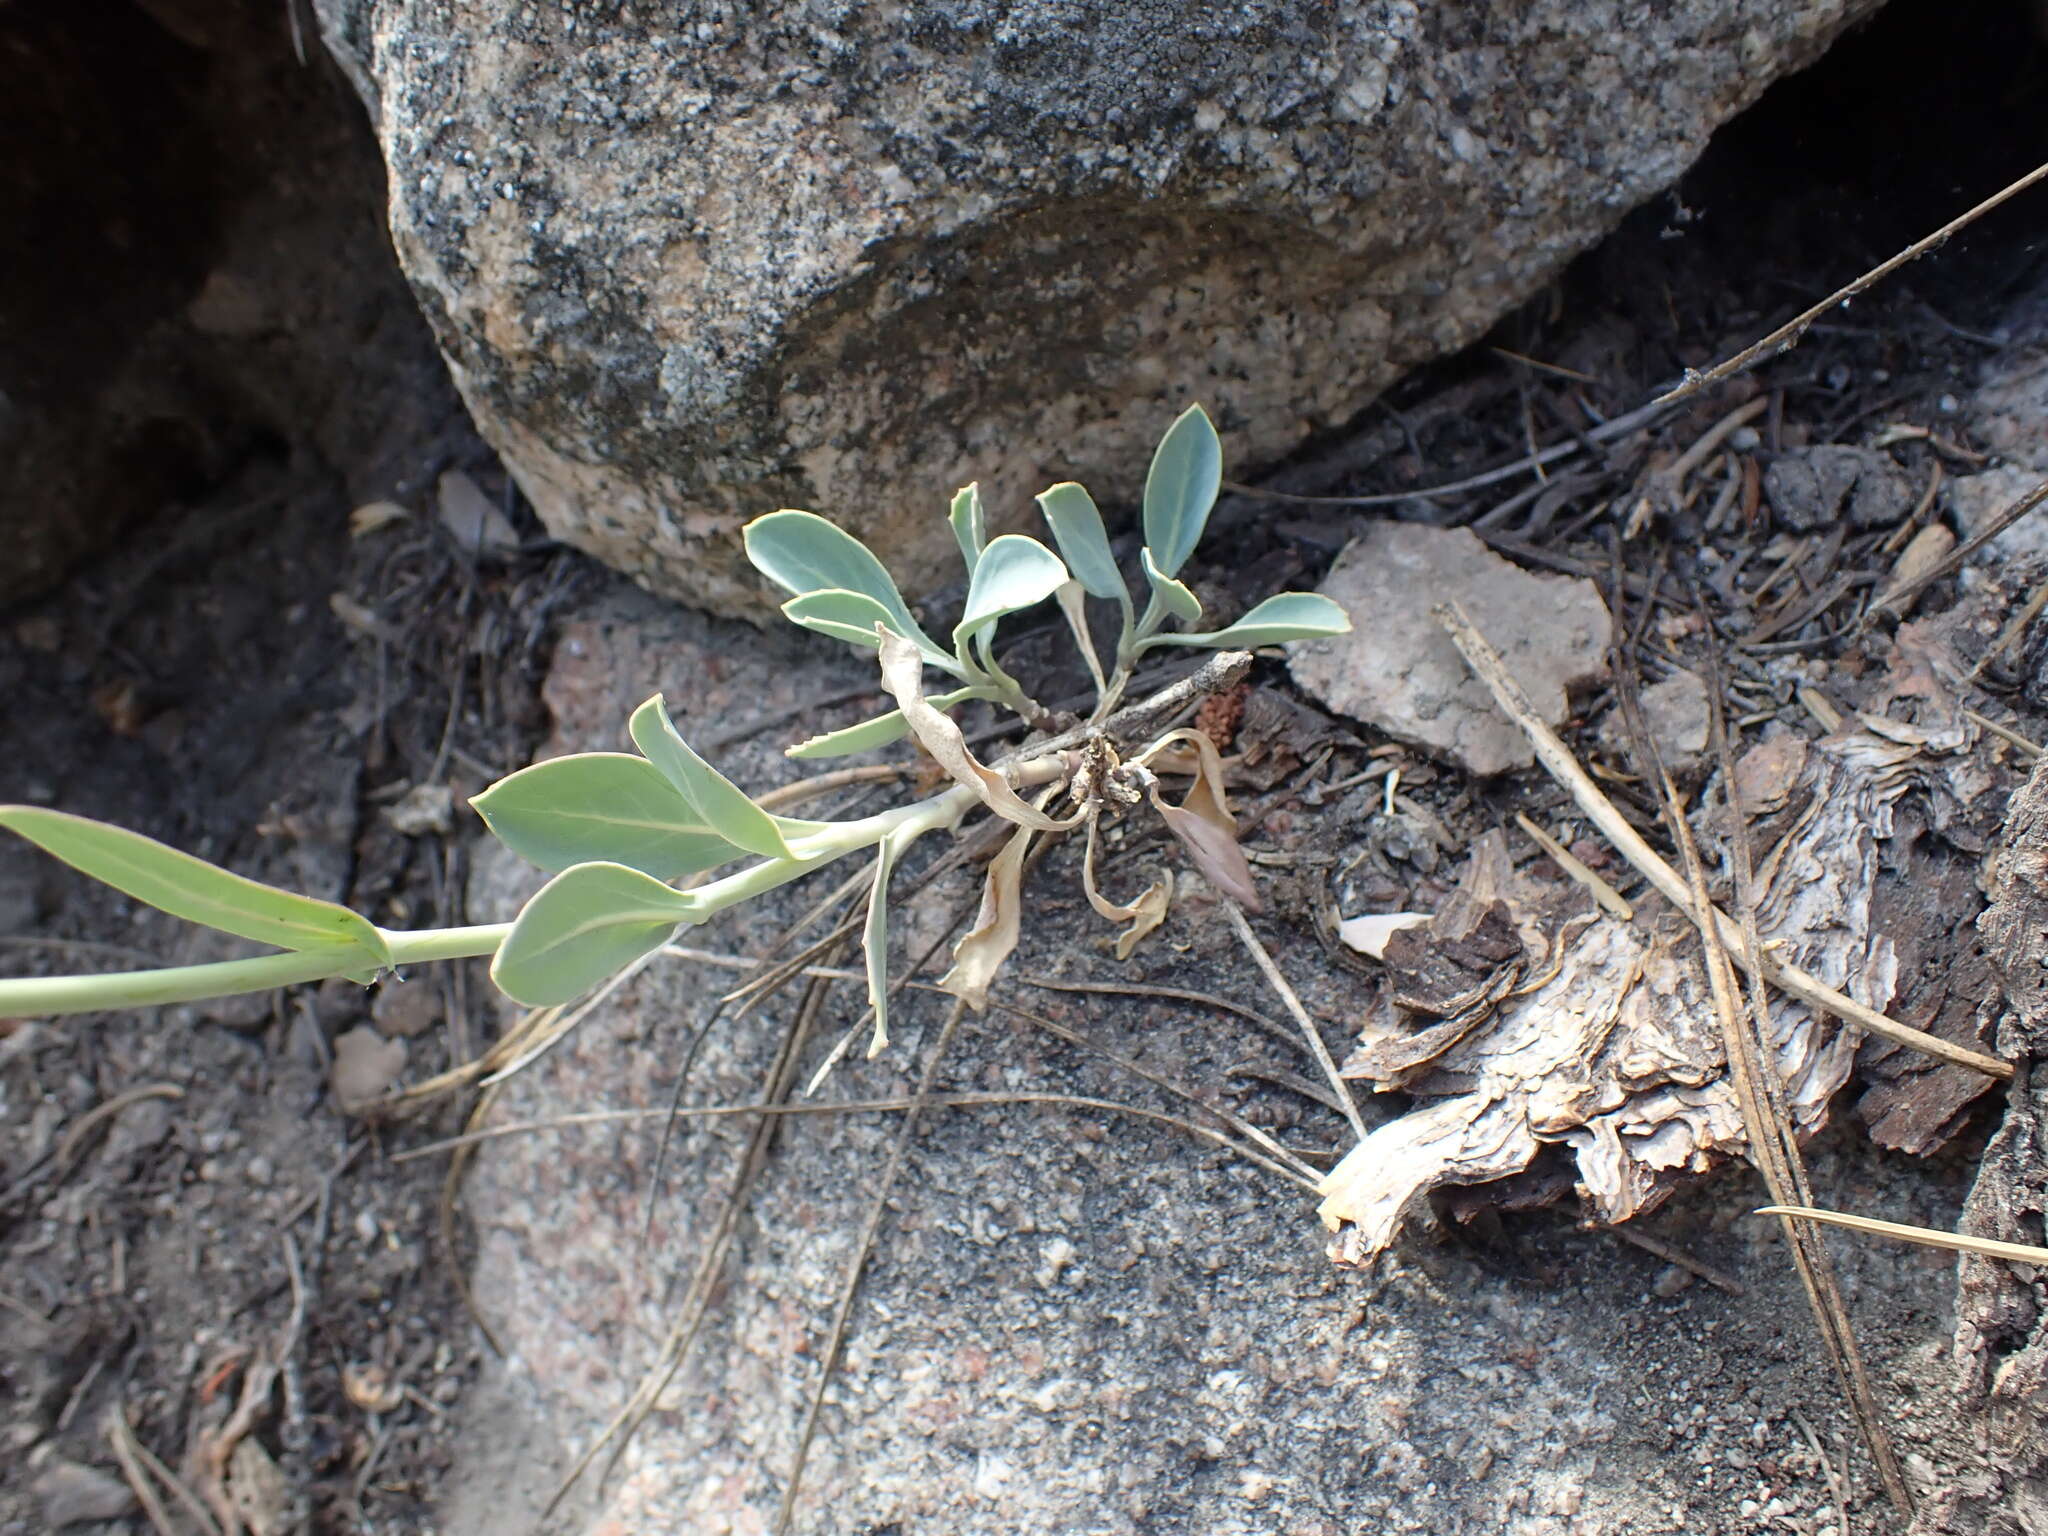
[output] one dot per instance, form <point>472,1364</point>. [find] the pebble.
<point>71,1494</point>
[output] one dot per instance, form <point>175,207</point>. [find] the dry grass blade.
<point>828,1362</point>
<point>2004,733</point>
<point>450,1186</point>
<point>1607,896</point>
<point>1005,1099</point>
<point>1774,1145</point>
<point>1787,335</point>
<point>1927,1237</point>
<point>1294,1167</point>
<point>2006,516</point>
<point>1557,758</point>
<point>121,1440</point>
<point>1314,1036</point>
<point>696,1305</point>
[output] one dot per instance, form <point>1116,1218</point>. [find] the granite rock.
<point>690,263</point>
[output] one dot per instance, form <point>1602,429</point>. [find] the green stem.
<point>48,996</point>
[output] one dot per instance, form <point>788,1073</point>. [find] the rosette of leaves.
<point>639,844</point>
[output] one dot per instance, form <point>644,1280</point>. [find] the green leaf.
<point>1289,616</point>
<point>589,922</point>
<point>200,892</point>
<point>1168,594</point>
<point>970,528</point>
<point>1187,472</point>
<point>878,732</point>
<point>1013,573</point>
<point>722,803</point>
<point>601,806</point>
<point>852,617</point>
<point>874,943</point>
<point>1077,528</point>
<point>801,552</point>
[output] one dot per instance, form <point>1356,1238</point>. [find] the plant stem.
<point>44,997</point>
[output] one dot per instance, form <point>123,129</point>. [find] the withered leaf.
<point>1144,913</point>
<point>903,679</point>
<point>1205,827</point>
<point>980,955</point>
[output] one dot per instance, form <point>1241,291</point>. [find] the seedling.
<point>618,830</point>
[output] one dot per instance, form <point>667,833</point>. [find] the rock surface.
<point>1077,1320</point>
<point>1398,670</point>
<point>690,263</point>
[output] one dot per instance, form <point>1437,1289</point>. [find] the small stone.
<point>1399,671</point>
<point>422,811</point>
<point>72,1494</point>
<point>365,1067</point>
<point>1054,1258</point>
<point>1677,717</point>
<point>473,518</point>
<point>1923,552</point>
<point>259,1171</point>
<point>1814,487</point>
<point>1671,1280</point>
<point>403,1009</point>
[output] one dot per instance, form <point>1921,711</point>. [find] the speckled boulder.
<point>690,262</point>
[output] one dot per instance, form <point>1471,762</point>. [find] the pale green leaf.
<point>801,552</point>
<point>852,617</point>
<point>1170,595</point>
<point>1077,528</point>
<point>199,892</point>
<point>874,941</point>
<point>588,923</point>
<point>1013,573</point>
<point>878,732</point>
<point>1289,616</point>
<point>970,527</point>
<point>1180,490</point>
<point>601,806</point>
<point>722,803</point>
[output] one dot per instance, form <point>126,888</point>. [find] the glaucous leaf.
<point>852,617</point>
<point>177,883</point>
<point>589,922</point>
<point>1168,594</point>
<point>801,552</point>
<point>722,803</point>
<point>1077,528</point>
<point>970,528</point>
<point>878,732</point>
<point>611,807</point>
<point>1180,490</point>
<point>1289,616</point>
<point>1013,573</point>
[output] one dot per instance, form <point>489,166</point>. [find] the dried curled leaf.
<point>875,945</point>
<point>1204,825</point>
<point>903,679</point>
<point>978,956</point>
<point>1146,912</point>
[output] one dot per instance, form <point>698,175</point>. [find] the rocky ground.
<point>1075,1319</point>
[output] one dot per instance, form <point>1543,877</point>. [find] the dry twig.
<point>1788,335</point>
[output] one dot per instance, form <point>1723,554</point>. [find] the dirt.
<point>182,1204</point>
